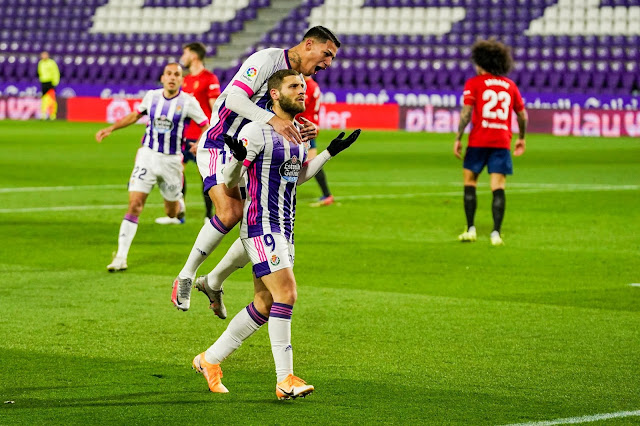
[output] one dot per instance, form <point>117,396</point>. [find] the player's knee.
<point>135,207</point>
<point>263,301</point>
<point>289,296</point>
<point>230,215</point>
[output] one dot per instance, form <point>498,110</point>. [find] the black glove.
<point>237,148</point>
<point>338,144</point>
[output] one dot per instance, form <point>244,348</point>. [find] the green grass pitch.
<point>396,322</point>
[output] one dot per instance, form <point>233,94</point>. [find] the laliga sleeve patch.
<point>250,73</point>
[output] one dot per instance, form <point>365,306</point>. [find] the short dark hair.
<point>275,81</point>
<point>198,48</point>
<point>492,56</point>
<point>322,34</point>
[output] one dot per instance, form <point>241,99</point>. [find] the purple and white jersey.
<point>273,165</point>
<point>168,119</point>
<point>252,78</point>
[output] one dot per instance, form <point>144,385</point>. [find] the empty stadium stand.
<point>560,46</point>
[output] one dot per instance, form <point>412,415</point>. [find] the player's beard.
<point>290,106</point>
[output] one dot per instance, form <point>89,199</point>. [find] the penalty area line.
<point>582,419</point>
<point>634,285</point>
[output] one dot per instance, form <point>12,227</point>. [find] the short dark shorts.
<point>497,160</point>
<point>186,155</point>
<point>46,86</point>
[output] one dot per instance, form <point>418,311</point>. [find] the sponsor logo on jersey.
<point>290,169</point>
<point>275,260</point>
<point>251,72</point>
<point>245,142</point>
<point>162,124</point>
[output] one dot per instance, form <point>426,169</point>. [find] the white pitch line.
<point>60,188</point>
<point>635,284</point>
<point>349,197</point>
<point>560,186</point>
<point>583,419</point>
<point>72,208</point>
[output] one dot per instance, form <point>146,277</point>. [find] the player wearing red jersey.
<point>489,98</point>
<point>311,113</point>
<point>205,87</point>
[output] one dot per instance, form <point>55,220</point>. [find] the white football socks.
<point>240,328</point>
<point>235,258</point>
<point>208,239</point>
<point>128,229</point>
<point>280,336</point>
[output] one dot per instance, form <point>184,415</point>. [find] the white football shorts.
<point>269,253</point>
<point>153,167</point>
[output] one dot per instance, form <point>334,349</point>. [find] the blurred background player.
<point>275,167</point>
<point>159,159</point>
<point>311,113</point>
<point>205,87</point>
<point>49,76</point>
<point>241,102</point>
<point>488,100</point>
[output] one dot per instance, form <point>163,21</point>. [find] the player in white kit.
<point>274,167</point>
<point>243,101</point>
<point>159,159</point>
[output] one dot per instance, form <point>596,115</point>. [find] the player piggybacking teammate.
<point>244,101</point>
<point>274,167</point>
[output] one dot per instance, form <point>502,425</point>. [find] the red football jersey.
<point>311,102</point>
<point>203,86</point>
<point>493,98</point>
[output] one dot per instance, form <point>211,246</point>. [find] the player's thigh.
<point>170,176</point>
<point>475,158</point>
<point>269,253</point>
<point>499,161</point>
<point>282,285</point>
<point>210,163</point>
<point>143,175</point>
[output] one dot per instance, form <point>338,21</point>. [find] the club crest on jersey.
<point>275,260</point>
<point>290,169</point>
<point>251,72</point>
<point>245,142</point>
<point>162,124</point>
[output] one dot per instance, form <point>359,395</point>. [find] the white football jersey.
<point>252,78</point>
<point>168,119</point>
<point>273,165</point>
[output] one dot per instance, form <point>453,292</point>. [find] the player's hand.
<point>286,128</point>
<point>520,147</point>
<point>309,130</point>
<point>457,149</point>
<point>103,134</point>
<point>338,144</point>
<point>237,148</point>
<point>193,148</point>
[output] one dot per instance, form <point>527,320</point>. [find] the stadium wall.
<point>576,121</point>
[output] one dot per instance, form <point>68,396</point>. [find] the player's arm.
<point>243,155</point>
<point>310,168</point>
<point>522,126</point>
<point>465,119</point>
<point>128,120</point>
